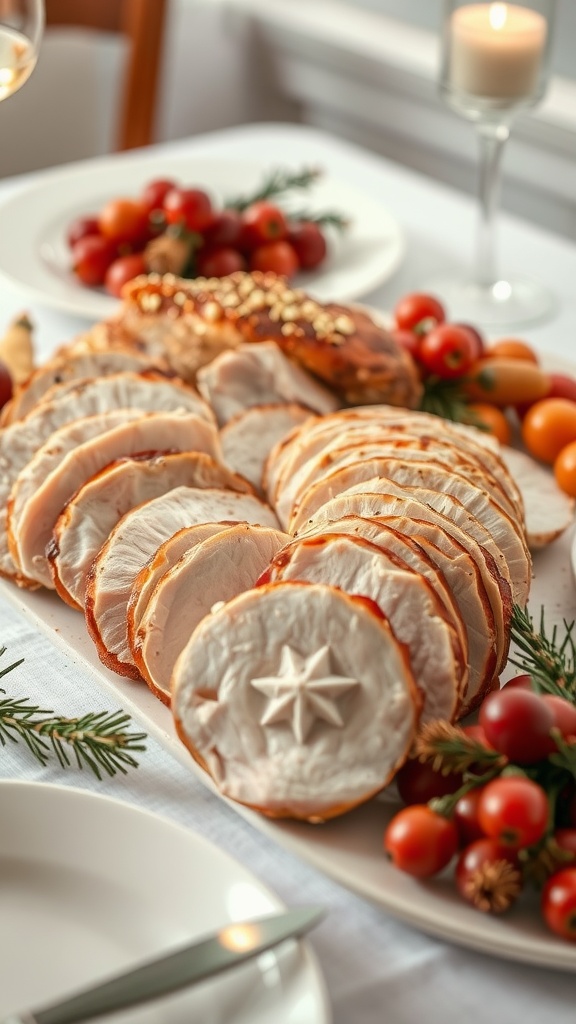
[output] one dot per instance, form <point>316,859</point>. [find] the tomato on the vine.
<point>225,229</point>
<point>191,207</point>
<point>219,262</point>
<point>466,816</point>
<point>308,242</point>
<point>81,227</point>
<point>558,903</point>
<point>124,220</point>
<point>447,351</point>
<point>155,193</point>
<point>418,782</point>
<point>419,841</point>
<point>564,712</point>
<point>263,222</point>
<point>477,338</point>
<point>521,682</point>
<point>91,257</point>
<point>514,810</point>
<point>517,722</point>
<point>278,257</point>
<point>122,270</point>
<point>418,310</point>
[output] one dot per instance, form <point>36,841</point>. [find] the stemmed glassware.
<point>21,27</point>
<point>495,61</point>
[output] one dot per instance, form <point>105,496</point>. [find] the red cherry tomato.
<point>277,257</point>
<point>309,243</point>
<point>558,903</point>
<point>190,207</point>
<point>521,682</point>
<point>155,193</point>
<point>562,386</point>
<point>517,722</point>
<point>466,817</point>
<point>477,338</point>
<point>124,220</point>
<point>263,222</point>
<point>447,351</point>
<point>564,714</point>
<point>219,262</point>
<point>122,270</point>
<point>418,783</point>
<point>81,228</point>
<point>565,838</point>
<point>514,810</point>
<point>91,257</point>
<point>476,732</point>
<point>6,385</point>
<point>407,340</point>
<point>477,871</point>
<point>225,229</point>
<point>417,310</point>
<point>420,842</point>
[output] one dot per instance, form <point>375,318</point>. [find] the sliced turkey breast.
<point>168,554</point>
<point>259,374</point>
<point>170,393</point>
<point>20,441</point>
<point>134,540</point>
<point>442,484</point>
<point>456,580</point>
<point>250,435</point>
<point>214,570</point>
<point>407,600</point>
<point>42,489</point>
<point>67,368</point>
<point>90,515</point>
<point>549,511</point>
<point>396,502</point>
<point>314,713</point>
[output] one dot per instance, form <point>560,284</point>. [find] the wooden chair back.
<point>142,22</point>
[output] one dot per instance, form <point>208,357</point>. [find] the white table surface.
<point>377,970</point>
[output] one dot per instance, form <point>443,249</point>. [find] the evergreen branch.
<point>330,218</point>
<point>552,665</point>
<point>277,183</point>
<point>447,399</point>
<point>449,750</point>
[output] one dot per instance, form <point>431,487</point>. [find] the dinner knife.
<point>231,945</point>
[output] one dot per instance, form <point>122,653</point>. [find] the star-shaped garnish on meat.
<point>304,690</point>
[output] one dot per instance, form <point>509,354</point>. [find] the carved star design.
<point>304,690</point>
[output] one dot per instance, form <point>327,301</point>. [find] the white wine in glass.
<point>21,27</point>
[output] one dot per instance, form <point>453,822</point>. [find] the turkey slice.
<point>170,393</point>
<point>549,511</point>
<point>312,715</point>
<point>259,374</point>
<point>169,552</point>
<point>407,600</point>
<point>134,540</point>
<point>90,515</point>
<point>451,538</point>
<point>67,368</point>
<point>212,571</point>
<point>437,486</point>
<point>250,435</point>
<point>42,489</point>
<point>20,441</point>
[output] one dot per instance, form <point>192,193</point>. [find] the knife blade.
<point>233,944</point>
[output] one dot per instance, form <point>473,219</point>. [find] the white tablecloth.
<point>376,968</point>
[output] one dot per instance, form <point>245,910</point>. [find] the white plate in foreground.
<point>90,886</point>
<point>33,224</point>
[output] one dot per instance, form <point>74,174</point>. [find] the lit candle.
<point>496,50</point>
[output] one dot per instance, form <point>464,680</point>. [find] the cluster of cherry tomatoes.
<point>500,385</point>
<point>115,245</point>
<point>496,826</point>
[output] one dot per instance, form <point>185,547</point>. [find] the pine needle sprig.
<point>550,662</point>
<point>450,750</point>
<point>277,183</point>
<point>97,740</point>
<point>326,219</point>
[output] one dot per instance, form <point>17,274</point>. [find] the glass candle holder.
<point>495,63</point>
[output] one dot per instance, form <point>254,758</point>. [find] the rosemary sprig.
<point>550,662</point>
<point>97,740</point>
<point>276,183</point>
<point>329,218</point>
<point>446,398</point>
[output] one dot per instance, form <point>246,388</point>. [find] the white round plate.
<point>33,224</point>
<point>90,886</point>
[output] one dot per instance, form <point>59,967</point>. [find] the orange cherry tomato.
<point>123,220</point>
<point>502,382</point>
<point>548,427</point>
<point>492,419</point>
<point>565,469</point>
<point>512,348</point>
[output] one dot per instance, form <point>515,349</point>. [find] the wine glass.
<point>21,27</point>
<point>495,61</point>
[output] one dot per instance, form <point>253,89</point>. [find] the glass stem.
<point>491,139</point>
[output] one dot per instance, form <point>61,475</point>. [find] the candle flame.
<point>498,15</point>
